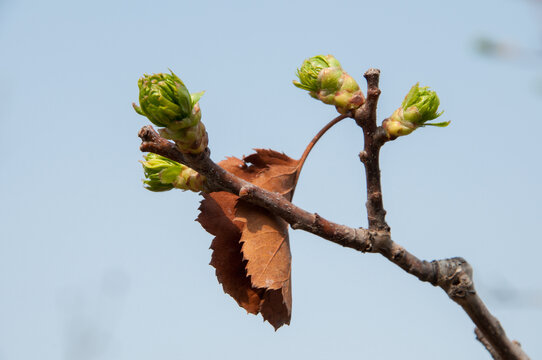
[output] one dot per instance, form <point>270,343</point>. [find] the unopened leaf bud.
<point>325,80</point>
<point>166,102</point>
<point>419,106</point>
<point>163,174</point>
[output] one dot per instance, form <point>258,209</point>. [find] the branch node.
<point>366,239</point>
<point>455,277</point>
<point>381,240</point>
<point>246,191</point>
<point>375,196</point>
<point>373,92</point>
<point>296,226</point>
<point>398,254</point>
<point>380,137</point>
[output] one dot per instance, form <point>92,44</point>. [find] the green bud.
<point>308,73</point>
<point>422,103</point>
<point>325,80</point>
<point>330,80</point>
<point>163,174</point>
<point>419,106</point>
<point>166,102</point>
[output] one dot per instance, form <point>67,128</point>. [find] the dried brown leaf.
<point>266,250</point>
<point>251,251</point>
<point>265,246</point>
<point>277,172</point>
<point>216,216</point>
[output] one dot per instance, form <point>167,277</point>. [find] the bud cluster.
<point>166,102</point>
<point>325,80</point>
<point>163,174</point>
<point>419,106</point>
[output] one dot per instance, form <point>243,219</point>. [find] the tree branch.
<point>454,275</point>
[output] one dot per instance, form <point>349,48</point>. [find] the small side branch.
<point>373,141</point>
<point>454,276</point>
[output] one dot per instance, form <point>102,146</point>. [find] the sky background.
<point>93,266</point>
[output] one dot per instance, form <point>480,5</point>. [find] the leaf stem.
<point>314,141</point>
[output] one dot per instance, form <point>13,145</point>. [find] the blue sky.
<point>92,266</point>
